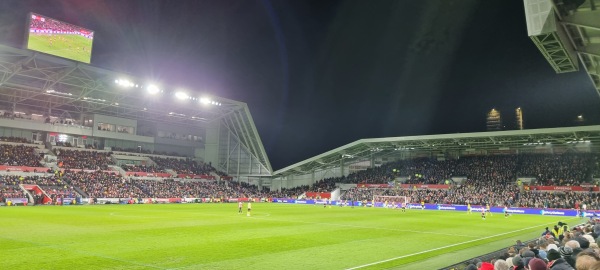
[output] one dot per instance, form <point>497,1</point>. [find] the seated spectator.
<point>88,160</point>
<point>19,155</point>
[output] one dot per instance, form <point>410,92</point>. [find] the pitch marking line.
<point>439,248</point>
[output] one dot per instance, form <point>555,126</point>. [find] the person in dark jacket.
<point>559,264</point>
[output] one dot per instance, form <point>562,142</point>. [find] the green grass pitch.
<point>73,47</point>
<point>276,236</point>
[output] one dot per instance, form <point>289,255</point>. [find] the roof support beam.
<point>588,19</point>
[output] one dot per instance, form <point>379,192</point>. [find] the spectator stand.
<point>484,258</point>
<point>143,154</point>
<point>137,166</point>
<point>19,157</point>
<point>85,159</point>
<point>190,169</point>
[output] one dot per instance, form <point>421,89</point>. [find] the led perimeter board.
<point>58,38</point>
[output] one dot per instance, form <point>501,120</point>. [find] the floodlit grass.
<point>73,47</point>
<point>277,236</point>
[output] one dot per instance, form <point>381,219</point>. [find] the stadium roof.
<point>499,140</point>
<point>51,84</point>
<point>564,30</point>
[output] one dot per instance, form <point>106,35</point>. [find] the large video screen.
<point>58,38</point>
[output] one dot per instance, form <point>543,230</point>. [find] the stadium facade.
<point>109,110</point>
<point>49,99</point>
<point>53,99</point>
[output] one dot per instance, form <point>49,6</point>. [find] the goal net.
<point>391,201</point>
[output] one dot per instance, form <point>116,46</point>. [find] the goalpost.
<point>392,201</point>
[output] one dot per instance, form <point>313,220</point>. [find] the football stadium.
<point>106,170</point>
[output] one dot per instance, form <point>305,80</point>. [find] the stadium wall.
<point>37,126</point>
<point>211,145</point>
<point>98,118</point>
<point>162,129</point>
<point>14,132</point>
<point>182,150</point>
<point>109,142</point>
<point>122,136</point>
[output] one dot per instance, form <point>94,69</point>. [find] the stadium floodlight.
<point>208,101</point>
<point>124,83</point>
<point>204,100</point>
<point>181,95</point>
<point>152,89</point>
<point>51,91</point>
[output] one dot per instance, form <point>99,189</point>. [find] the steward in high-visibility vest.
<point>556,231</point>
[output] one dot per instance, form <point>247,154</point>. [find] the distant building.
<point>494,120</point>
<point>519,116</point>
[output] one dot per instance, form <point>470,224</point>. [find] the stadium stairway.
<point>336,194</point>
<point>117,168</point>
<point>217,177</point>
<point>171,172</point>
<point>76,188</point>
<point>81,192</point>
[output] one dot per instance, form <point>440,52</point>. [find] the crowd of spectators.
<point>567,199</point>
<point>103,184</point>
<point>143,168</point>
<point>558,169</point>
<point>144,151</point>
<point>481,194</point>
<point>32,180</point>
<point>325,185</point>
<point>490,180</point>
<point>596,167</point>
<point>88,160</point>
<point>53,25</point>
<point>15,140</point>
<point>185,166</point>
<point>19,155</point>
<point>547,169</point>
<point>10,192</point>
<point>561,247</point>
<point>52,185</point>
<point>108,185</point>
<point>169,188</point>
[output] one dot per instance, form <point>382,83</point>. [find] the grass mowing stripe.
<point>444,247</point>
<point>215,236</point>
<point>366,227</point>
<point>86,253</point>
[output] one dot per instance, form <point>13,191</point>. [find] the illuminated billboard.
<point>58,38</point>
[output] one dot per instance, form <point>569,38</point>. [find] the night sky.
<point>320,74</point>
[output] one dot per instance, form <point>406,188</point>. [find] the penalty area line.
<point>440,248</point>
